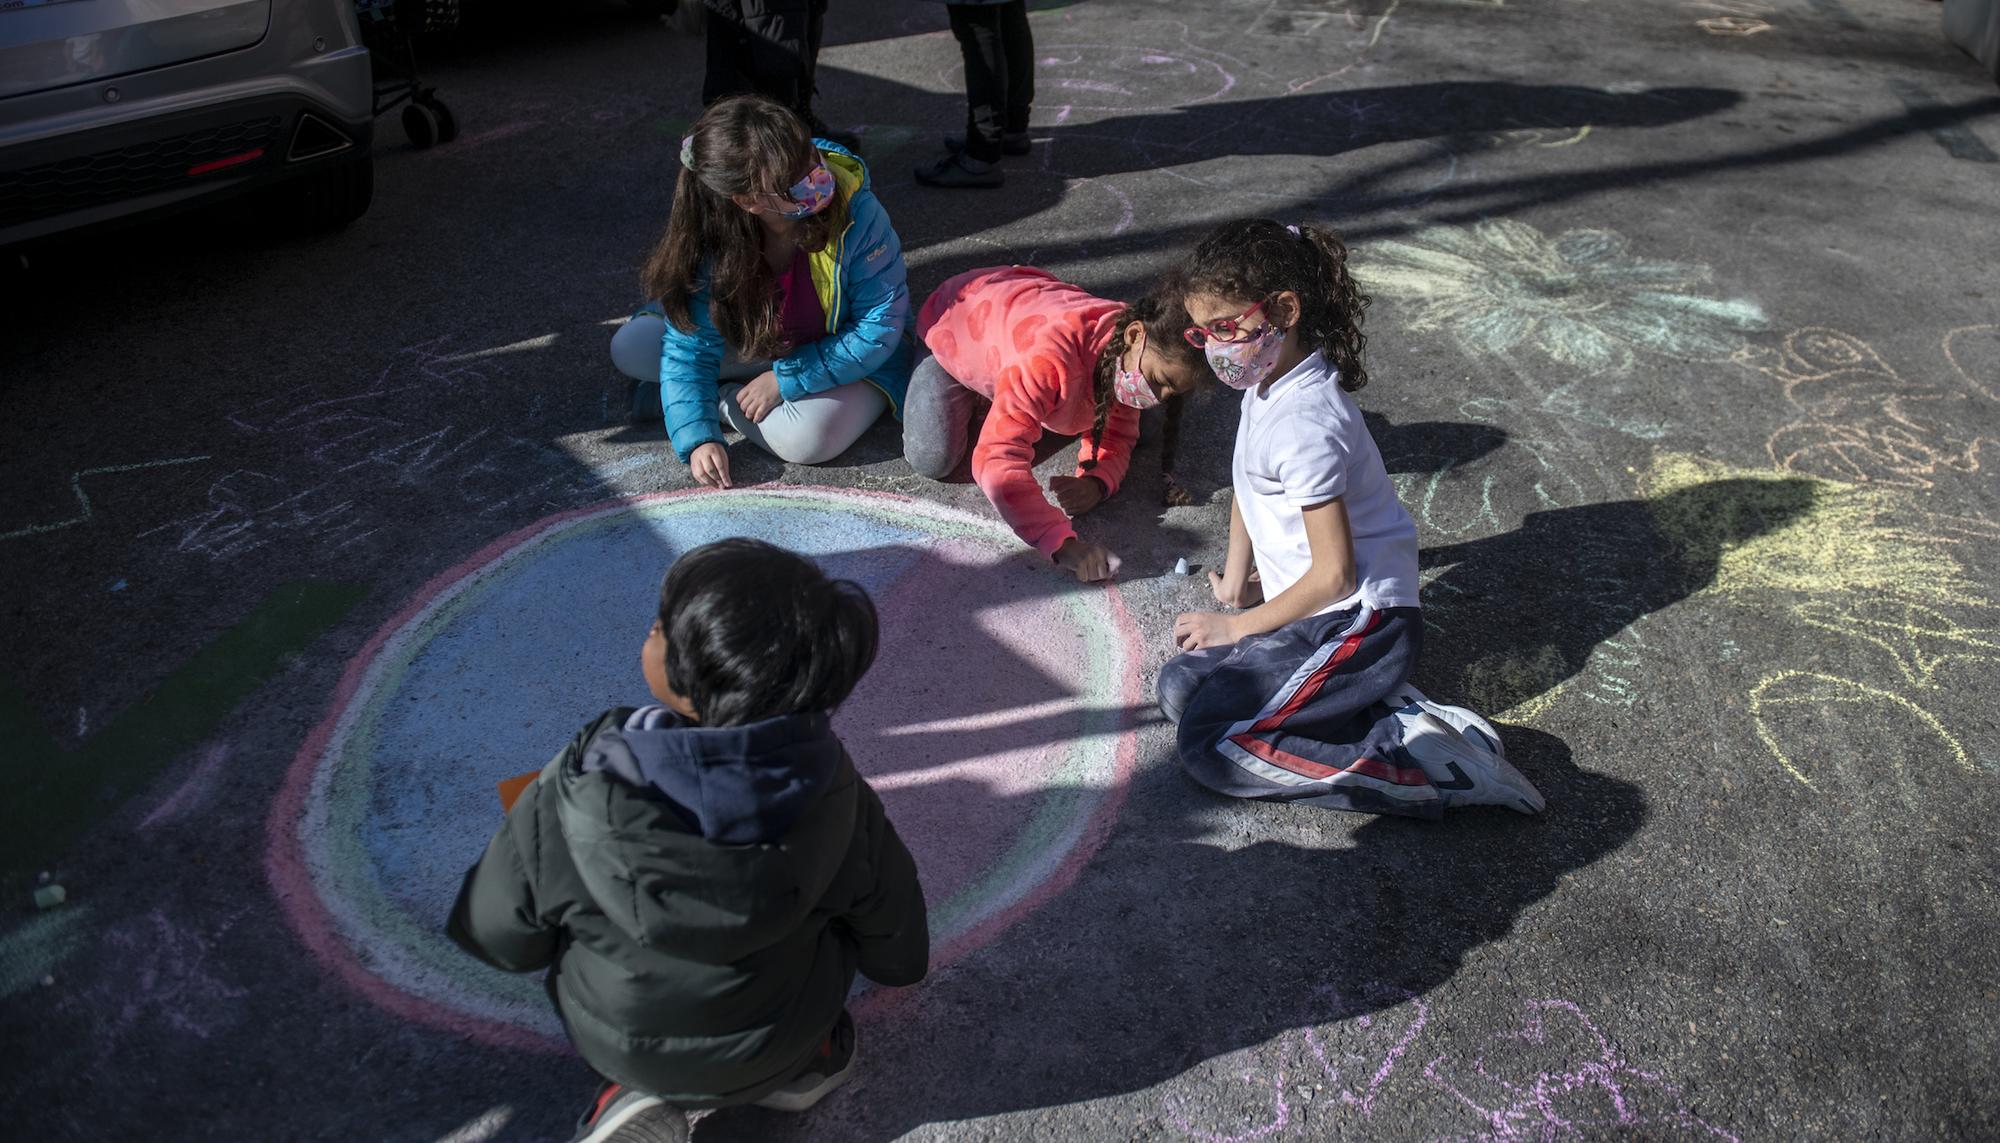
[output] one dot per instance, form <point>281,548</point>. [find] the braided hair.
<point>1164,317</point>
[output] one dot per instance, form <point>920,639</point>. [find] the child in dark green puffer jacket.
<point>703,878</point>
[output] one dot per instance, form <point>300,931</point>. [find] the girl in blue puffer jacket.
<point>782,299</point>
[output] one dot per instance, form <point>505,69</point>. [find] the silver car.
<point>115,108</point>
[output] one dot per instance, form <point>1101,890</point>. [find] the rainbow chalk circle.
<point>996,725</point>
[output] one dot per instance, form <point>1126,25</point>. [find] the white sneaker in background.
<point>1464,771</point>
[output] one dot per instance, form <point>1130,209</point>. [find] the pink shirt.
<point>800,315</point>
<point>1029,341</point>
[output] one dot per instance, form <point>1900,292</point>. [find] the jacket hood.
<point>710,839</point>
<point>850,174</point>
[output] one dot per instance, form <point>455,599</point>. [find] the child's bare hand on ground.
<point>759,396</point>
<point>1194,630</point>
<point>1089,562</point>
<point>710,465</point>
<point>1249,593</point>
<point>1077,494</point>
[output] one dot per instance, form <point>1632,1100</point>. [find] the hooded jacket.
<point>702,898</point>
<point>863,290</point>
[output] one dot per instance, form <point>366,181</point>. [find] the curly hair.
<point>1255,258</point>
<point>743,145</point>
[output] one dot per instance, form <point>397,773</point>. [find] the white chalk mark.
<point>82,722</point>
<point>1062,114</point>
<point>192,792</point>
<point>85,513</point>
<point>981,721</point>
<point>479,1130</point>
<point>542,342</point>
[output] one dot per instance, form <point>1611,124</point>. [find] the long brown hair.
<point>1163,316</point>
<point>743,145</point>
<point>1253,258</point>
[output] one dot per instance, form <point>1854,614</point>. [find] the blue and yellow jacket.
<point>862,286</point>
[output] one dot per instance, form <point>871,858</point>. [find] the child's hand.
<point>710,464</point>
<point>759,396</point>
<point>1087,561</point>
<point>1249,593</point>
<point>1077,494</point>
<point>1194,630</point>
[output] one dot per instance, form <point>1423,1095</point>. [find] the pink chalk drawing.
<point>996,724</point>
<point>193,793</point>
<point>160,976</point>
<point>1585,1087</point>
<point>1591,1093</point>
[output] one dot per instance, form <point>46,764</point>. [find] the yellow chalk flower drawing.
<point>1808,688</point>
<point>1852,538</point>
<point>1872,566</point>
<point>1856,418</point>
<point>1580,297</point>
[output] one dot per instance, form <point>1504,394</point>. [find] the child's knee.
<point>635,348</point>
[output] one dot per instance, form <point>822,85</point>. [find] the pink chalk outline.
<point>286,860</point>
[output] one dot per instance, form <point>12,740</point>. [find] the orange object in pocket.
<point>510,788</point>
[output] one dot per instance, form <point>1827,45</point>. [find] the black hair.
<point>755,632</point>
<point>1255,258</point>
<point>1164,317</point>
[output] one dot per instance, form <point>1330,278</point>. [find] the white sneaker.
<point>1464,772</point>
<point>1476,730</point>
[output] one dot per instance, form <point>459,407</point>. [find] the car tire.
<point>329,199</point>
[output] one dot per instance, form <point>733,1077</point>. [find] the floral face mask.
<point>810,194</point>
<point>1131,387</point>
<point>1246,364</point>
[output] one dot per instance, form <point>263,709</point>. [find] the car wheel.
<point>329,199</point>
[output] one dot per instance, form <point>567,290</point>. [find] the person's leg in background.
<point>813,429</point>
<point>937,420</point>
<point>728,59</point>
<point>977,27</point>
<point>1017,41</point>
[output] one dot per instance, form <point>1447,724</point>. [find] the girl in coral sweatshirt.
<point>1047,356</point>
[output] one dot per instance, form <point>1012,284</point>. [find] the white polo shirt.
<point>1301,442</point>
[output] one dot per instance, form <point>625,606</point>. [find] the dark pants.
<point>999,72</point>
<point>765,47</point>
<point>1298,714</point>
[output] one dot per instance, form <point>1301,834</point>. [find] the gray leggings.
<point>811,430</point>
<point>937,420</point>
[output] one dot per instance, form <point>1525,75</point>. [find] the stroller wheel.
<point>447,124</point>
<point>420,125</point>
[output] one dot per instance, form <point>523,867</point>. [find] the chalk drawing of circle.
<point>995,724</point>
<point>1120,77</point>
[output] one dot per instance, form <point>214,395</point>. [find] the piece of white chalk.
<point>1181,566</point>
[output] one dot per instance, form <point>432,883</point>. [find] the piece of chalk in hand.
<point>1180,566</point>
<point>49,896</point>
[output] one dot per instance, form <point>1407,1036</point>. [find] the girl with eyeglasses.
<point>1301,692</point>
<point>782,296</point>
<point>1041,355</point>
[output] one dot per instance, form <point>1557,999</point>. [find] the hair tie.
<point>1293,229</point>
<point>687,152</point>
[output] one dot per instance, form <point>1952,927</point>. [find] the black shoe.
<point>820,130</point>
<point>828,1070</point>
<point>957,171</point>
<point>1011,143</point>
<point>620,1115</point>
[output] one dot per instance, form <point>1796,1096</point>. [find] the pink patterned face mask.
<point>1131,387</point>
<point>810,194</point>
<point>1246,364</point>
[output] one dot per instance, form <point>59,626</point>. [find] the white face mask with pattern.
<point>1246,364</point>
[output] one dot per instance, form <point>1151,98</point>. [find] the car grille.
<point>134,171</point>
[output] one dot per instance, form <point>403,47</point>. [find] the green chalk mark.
<point>36,949</point>
<point>54,795</point>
